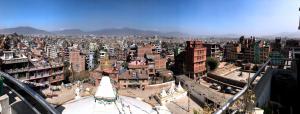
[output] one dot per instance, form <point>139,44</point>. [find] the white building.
<point>90,60</point>
<point>52,51</point>
<point>93,46</point>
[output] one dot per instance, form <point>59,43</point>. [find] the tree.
<point>125,65</point>
<point>95,58</point>
<point>212,63</point>
<point>67,71</point>
<point>168,63</point>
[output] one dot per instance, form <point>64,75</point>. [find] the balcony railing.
<point>26,94</point>
<point>18,60</point>
<point>233,99</point>
<point>230,101</point>
<point>16,70</point>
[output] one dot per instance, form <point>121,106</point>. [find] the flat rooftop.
<point>239,75</point>
<point>232,72</point>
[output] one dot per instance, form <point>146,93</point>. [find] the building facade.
<point>77,60</point>
<point>195,58</point>
<point>232,50</point>
<point>213,50</point>
<point>34,70</point>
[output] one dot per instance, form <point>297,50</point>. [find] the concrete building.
<point>93,46</point>
<point>134,78</point>
<point>52,51</point>
<point>77,60</point>
<point>247,50</point>
<point>262,51</point>
<point>90,60</point>
<point>102,54</point>
<point>142,50</point>
<point>34,70</point>
<point>213,50</point>
<point>157,48</point>
<point>231,51</point>
<point>195,58</point>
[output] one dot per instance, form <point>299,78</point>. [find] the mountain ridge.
<point>127,31</point>
<point>108,31</point>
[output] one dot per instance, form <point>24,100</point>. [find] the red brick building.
<point>77,60</point>
<point>195,58</point>
<point>147,49</point>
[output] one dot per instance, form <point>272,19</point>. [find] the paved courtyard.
<point>180,106</point>
<point>66,94</point>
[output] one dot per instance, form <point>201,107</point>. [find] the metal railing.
<point>230,101</point>
<point>30,97</point>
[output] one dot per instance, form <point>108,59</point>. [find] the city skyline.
<point>192,17</point>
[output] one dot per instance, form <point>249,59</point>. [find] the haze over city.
<point>149,56</point>
<point>194,17</point>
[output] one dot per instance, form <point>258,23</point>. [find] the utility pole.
<point>189,95</point>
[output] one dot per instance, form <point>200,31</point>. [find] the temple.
<point>171,94</point>
<point>105,92</point>
<point>107,101</point>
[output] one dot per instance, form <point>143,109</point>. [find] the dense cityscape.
<point>132,71</point>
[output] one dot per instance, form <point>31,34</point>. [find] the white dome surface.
<point>88,105</point>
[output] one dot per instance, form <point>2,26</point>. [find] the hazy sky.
<point>256,17</point>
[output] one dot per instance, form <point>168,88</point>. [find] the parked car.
<point>229,90</point>
<point>215,86</point>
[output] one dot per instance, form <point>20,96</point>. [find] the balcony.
<point>38,76</point>
<point>45,67</point>
<point>56,73</point>
<point>15,60</point>
<point>18,70</point>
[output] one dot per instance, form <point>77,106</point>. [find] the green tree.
<point>95,59</point>
<point>67,72</point>
<point>212,63</point>
<point>125,65</point>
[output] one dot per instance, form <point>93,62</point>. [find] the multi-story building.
<point>213,50</point>
<point>102,54</point>
<point>35,70</point>
<point>195,58</point>
<point>142,50</point>
<point>232,50</point>
<point>93,46</point>
<point>52,51</point>
<point>133,78</point>
<point>90,60</point>
<point>247,50</point>
<point>157,49</point>
<point>262,51</point>
<point>77,60</point>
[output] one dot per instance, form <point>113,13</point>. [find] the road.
<point>197,90</point>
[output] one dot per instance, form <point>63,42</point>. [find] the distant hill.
<point>71,32</point>
<point>125,31</point>
<point>23,30</point>
<point>130,31</point>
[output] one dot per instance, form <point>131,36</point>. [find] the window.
<point>150,70</point>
